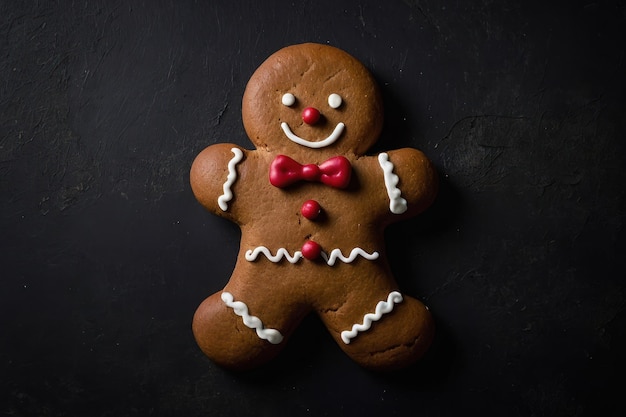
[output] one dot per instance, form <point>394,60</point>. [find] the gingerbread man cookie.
<point>312,208</point>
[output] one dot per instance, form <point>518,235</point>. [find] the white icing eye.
<point>288,99</point>
<point>334,100</point>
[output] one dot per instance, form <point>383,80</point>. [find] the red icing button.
<point>310,115</point>
<point>311,209</point>
<point>311,250</point>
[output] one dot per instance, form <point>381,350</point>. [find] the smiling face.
<point>312,98</point>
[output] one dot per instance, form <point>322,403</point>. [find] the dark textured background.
<point>105,254</point>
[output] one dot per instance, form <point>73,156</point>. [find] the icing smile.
<point>329,140</point>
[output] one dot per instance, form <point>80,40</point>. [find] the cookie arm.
<point>213,176</point>
<point>415,184</point>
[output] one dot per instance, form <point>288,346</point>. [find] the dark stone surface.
<point>105,254</point>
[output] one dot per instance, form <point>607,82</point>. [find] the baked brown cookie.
<point>312,208</point>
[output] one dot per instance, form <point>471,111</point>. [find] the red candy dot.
<point>310,115</point>
<point>311,250</point>
<point>311,209</point>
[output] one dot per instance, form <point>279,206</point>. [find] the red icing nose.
<point>310,115</point>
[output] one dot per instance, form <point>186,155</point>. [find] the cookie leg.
<point>228,333</point>
<point>391,334</point>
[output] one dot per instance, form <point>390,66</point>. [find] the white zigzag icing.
<point>336,254</point>
<point>253,254</point>
<point>241,309</point>
<point>383,307</point>
<point>223,200</point>
<point>397,204</point>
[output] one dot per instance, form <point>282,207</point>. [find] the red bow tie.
<point>334,172</point>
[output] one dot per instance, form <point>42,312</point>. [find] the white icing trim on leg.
<point>397,204</point>
<point>241,309</point>
<point>383,307</point>
<point>223,200</point>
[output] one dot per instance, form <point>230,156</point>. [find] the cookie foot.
<point>231,337</point>
<point>397,340</point>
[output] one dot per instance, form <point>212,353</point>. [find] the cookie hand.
<point>214,175</point>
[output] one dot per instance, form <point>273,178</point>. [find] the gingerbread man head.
<point>312,208</point>
<point>312,97</point>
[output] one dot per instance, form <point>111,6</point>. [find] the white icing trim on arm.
<point>336,254</point>
<point>397,204</point>
<point>383,307</point>
<point>241,309</point>
<point>223,200</point>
